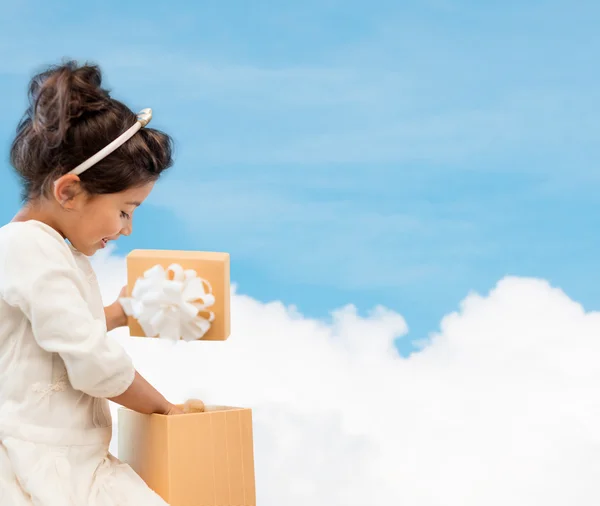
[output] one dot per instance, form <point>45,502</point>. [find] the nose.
<point>126,230</point>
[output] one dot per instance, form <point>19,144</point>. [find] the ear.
<point>65,189</point>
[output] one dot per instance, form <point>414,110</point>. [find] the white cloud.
<point>500,407</point>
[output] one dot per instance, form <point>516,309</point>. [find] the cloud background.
<point>498,407</point>
<point>388,159</point>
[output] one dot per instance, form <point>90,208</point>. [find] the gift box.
<point>178,294</point>
<point>195,459</point>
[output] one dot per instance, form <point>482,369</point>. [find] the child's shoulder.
<point>30,238</point>
<point>28,230</point>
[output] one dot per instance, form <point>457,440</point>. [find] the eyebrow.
<point>134,203</point>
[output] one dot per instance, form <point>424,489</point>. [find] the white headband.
<point>143,118</point>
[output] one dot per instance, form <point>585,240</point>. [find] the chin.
<point>90,250</point>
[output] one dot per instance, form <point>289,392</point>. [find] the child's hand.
<point>174,410</point>
<point>122,293</point>
<point>193,406</point>
<point>115,315</point>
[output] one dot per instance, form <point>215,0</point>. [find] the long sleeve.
<point>39,276</point>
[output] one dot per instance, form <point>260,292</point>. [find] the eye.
<point>125,215</point>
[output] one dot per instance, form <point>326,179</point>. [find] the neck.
<point>36,211</point>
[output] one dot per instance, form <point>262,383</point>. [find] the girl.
<point>58,367</point>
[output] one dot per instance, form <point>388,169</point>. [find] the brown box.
<point>212,266</point>
<point>196,459</point>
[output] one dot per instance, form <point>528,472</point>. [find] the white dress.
<point>57,367</point>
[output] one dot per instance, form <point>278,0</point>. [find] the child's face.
<point>96,221</point>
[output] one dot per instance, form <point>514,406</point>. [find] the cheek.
<point>102,218</point>
<point>107,224</point>
<point>116,225</point>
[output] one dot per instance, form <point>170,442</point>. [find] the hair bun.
<point>62,95</point>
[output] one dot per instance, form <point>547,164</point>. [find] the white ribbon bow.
<point>167,303</point>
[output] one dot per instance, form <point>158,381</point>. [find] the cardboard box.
<point>196,459</point>
<point>211,266</point>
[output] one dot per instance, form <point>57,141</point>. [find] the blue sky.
<point>386,152</point>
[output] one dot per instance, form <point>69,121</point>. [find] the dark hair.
<point>70,117</point>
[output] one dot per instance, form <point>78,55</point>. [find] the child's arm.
<point>114,314</point>
<point>143,398</point>
<point>40,278</point>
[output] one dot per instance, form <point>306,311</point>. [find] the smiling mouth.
<point>104,242</point>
